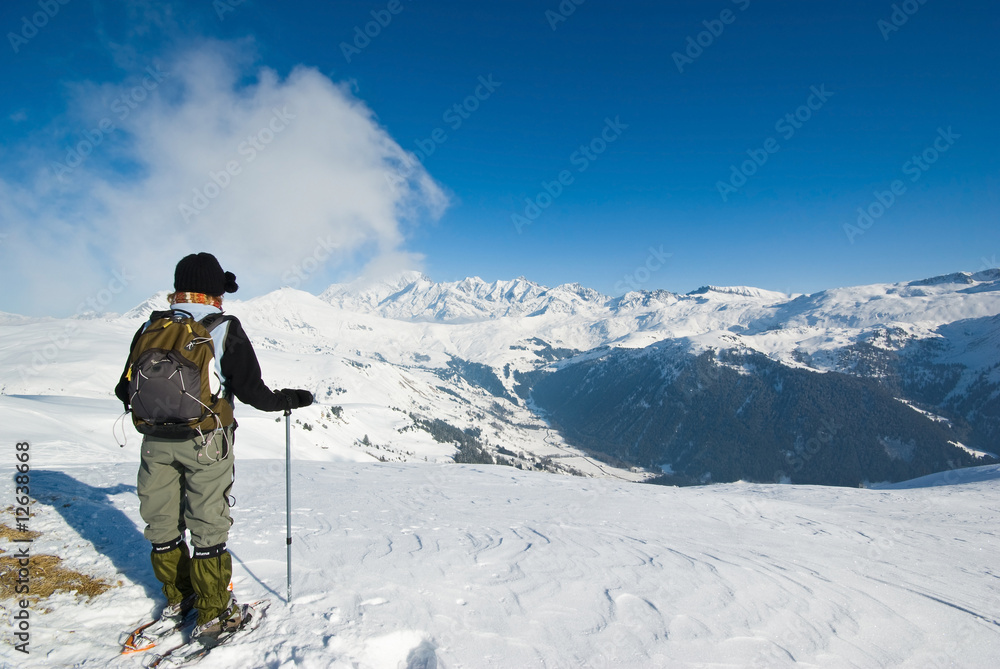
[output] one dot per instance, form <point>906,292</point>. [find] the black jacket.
<point>239,367</point>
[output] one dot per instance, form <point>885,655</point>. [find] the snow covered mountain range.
<point>410,366</point>
<point>402,558</point>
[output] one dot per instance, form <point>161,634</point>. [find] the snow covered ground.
<point>421,565</point>
<point>418,563</point>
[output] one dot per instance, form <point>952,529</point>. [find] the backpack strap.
<point>210,323</point>
<point>213,321</point>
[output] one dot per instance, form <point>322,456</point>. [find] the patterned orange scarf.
<point>194,298</point>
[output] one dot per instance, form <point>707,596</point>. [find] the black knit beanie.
<point>202,273</point>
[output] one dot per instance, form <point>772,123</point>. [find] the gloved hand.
<point>295,399</point>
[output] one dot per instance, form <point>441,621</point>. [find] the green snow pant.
<point>172,567</point>
<point>211,571</point>
<point>184,485</point>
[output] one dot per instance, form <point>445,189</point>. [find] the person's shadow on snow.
<point>90,511</point>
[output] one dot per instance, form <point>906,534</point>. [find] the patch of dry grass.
<point>47,577</point>
<point>13,535</point>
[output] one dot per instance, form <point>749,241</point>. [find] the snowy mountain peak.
<point>956,277</point>
<point>583,292</point>
<point>365,294</point>
<point>643,299</point>
<point>414,297</point>
<point>741,291</point>
<point>155,302</point>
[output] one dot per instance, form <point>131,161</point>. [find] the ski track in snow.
<point>423,565</point>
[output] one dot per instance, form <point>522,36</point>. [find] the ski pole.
<point>288,499</point>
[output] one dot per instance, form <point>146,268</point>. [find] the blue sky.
<point>563,142</point>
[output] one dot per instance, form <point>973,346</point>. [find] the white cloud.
<point>263,174</point>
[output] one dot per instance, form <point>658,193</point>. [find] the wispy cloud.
<point>215,156</point>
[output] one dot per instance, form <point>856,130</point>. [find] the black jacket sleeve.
<point>240,367</point>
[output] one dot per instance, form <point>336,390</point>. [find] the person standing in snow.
<point>184,484</point>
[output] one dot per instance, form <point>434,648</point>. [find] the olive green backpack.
<point>174,387</point>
